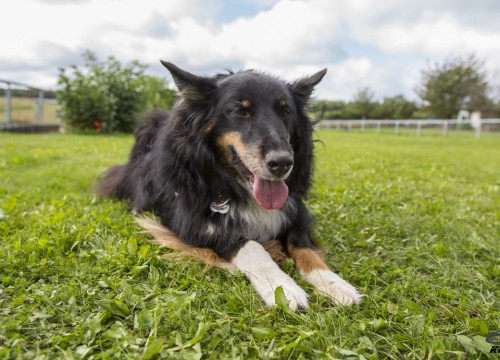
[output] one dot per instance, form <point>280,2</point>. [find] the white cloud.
<point>289,38</point>
<point>270,40</point>
<point>439,36</point>
<point>345,78</point>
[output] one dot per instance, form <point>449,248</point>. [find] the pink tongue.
<point>270,194</point>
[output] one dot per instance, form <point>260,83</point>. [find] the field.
<point>24,111</point>
<point>413,222</point>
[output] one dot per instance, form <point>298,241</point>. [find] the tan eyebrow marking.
<point>245,103</point>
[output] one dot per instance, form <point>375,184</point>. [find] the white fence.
<point>444,125</point>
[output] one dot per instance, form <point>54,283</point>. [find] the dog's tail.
<point>111,184</point>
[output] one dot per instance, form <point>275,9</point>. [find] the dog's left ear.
<point>191,87</point>
<point>304,87</point>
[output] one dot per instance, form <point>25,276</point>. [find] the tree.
<point>328,109</point>
<point>363,104</point>
<point>106,96</point>
<point>395,107</point>
<point>458,83</point>
<point>157,93</point>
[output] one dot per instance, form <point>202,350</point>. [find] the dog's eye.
<point>285,112</point>
<point>241,112</point>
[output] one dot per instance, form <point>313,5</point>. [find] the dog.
<point>226,172</point>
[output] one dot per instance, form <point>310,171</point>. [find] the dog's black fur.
<point>186,159</point>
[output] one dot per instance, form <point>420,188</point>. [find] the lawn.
<point>413,222</point>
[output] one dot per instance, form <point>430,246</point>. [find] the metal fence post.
<point>39,107</point>
<point>419,128</point>
<point>396,127</point>
<point>478,129</point>
<point>8,105</point>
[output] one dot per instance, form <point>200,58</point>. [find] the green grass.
<point>413,222</point>
<point>23,110</point>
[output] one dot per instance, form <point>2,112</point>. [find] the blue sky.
<point>382,44</point>
<point>231,10</point>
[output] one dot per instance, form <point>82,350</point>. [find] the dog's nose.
<point>279,163</point>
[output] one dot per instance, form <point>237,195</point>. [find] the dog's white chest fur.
<point>259,224</point>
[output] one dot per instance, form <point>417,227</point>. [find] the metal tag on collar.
<point>221,205</point>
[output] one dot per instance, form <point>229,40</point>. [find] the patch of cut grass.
<point>412,222</point>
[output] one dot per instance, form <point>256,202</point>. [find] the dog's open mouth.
<point>270,194</point>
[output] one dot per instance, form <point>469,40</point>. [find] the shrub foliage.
<point>106,96</point>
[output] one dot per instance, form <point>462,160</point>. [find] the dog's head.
<point>253,120</point>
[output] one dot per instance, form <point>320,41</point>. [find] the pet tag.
<point>220,206</point>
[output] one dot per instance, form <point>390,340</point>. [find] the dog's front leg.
<point>310,264</point>
<point>314,270</point>
<point>266,276</point>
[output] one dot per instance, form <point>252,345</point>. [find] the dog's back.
<point>116,181</point>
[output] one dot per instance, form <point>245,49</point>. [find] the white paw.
<point>296,295</point>
<point>267,283</point>
<point>330,284</point>
<point>266,276</point>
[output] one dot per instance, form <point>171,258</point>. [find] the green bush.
<point>106,96</point>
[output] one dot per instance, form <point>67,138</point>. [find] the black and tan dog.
<point>226,172</point>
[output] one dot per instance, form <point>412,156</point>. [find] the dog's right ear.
<point>191,87</point>
<point>304,87</point>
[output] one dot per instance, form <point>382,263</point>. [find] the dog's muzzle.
<point>279,163</point>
